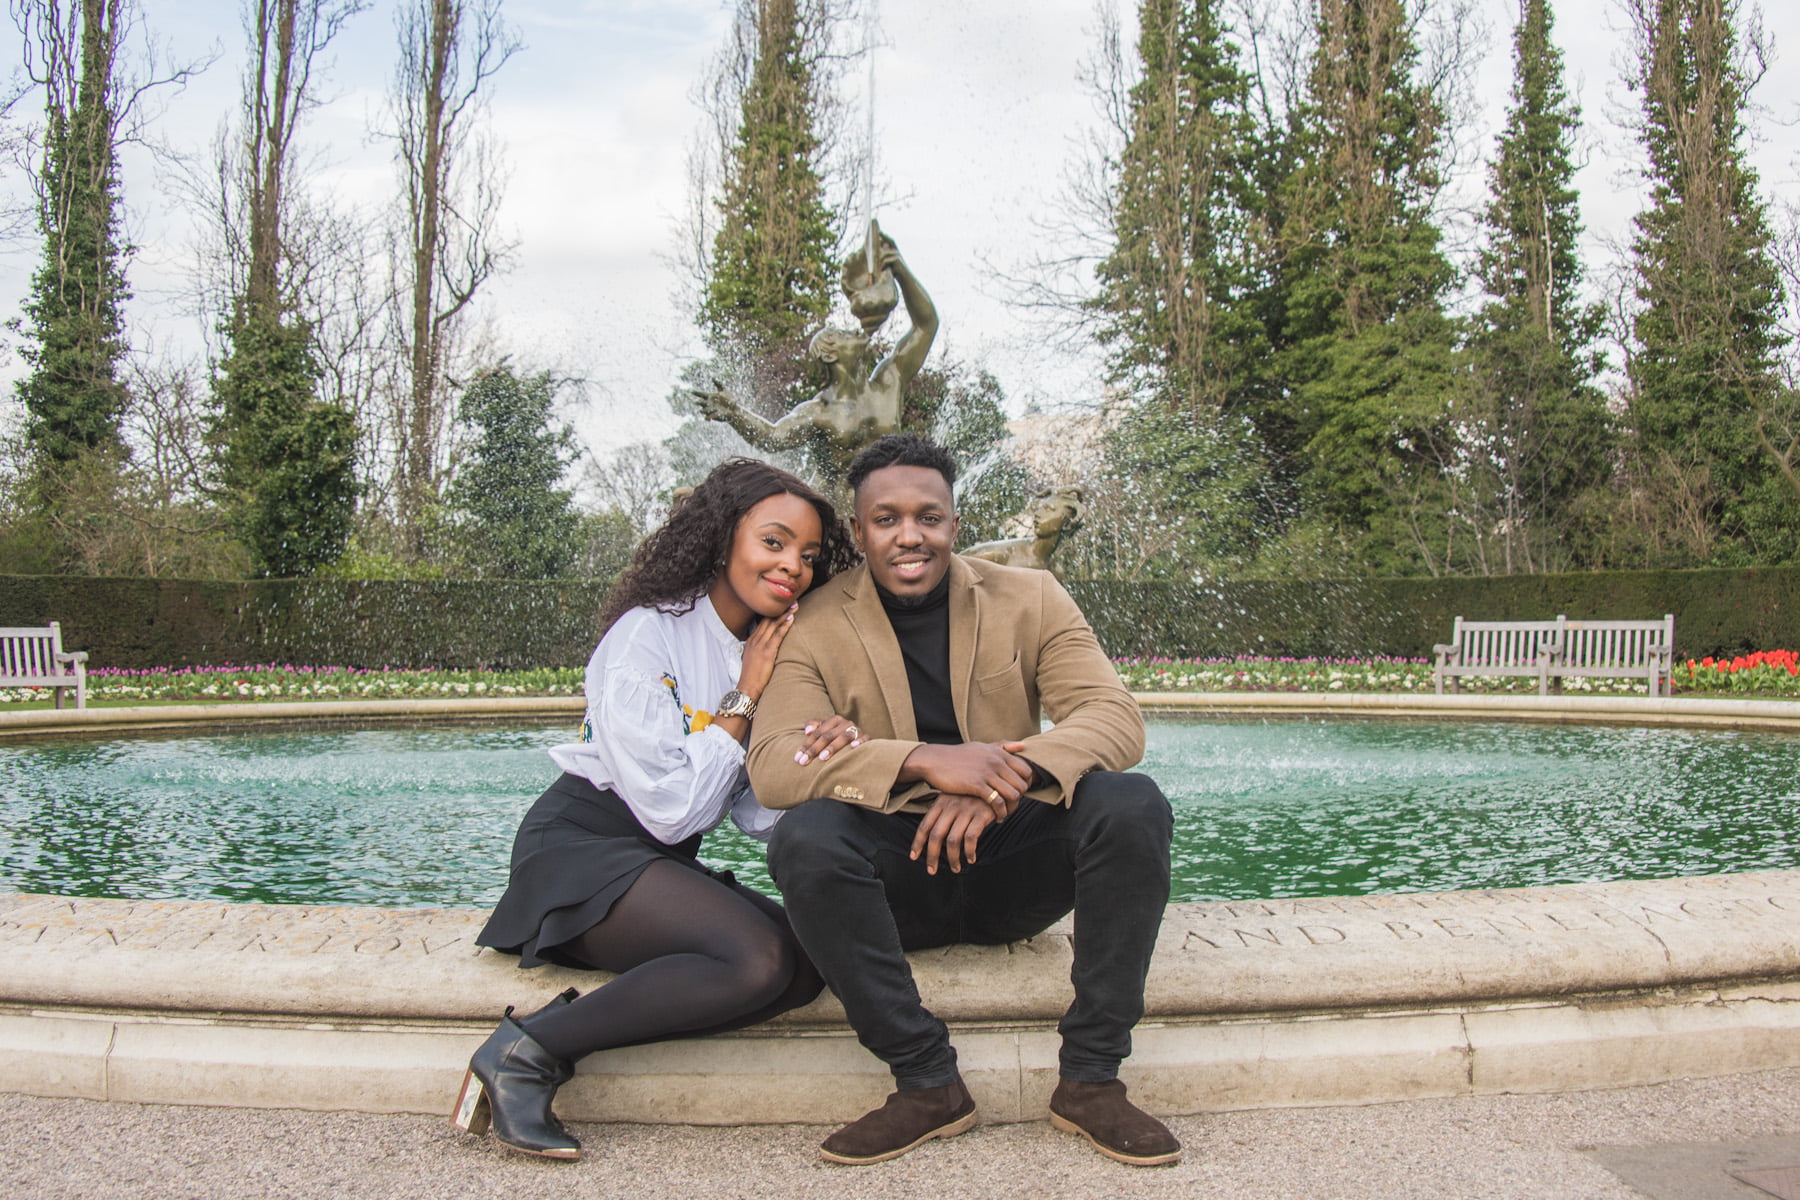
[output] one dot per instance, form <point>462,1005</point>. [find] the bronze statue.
<point>1054,515</point>
<point>859,404</point>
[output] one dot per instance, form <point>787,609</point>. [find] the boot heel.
<point>473,1113</point>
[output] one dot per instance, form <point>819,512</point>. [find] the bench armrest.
<point>72,656</point>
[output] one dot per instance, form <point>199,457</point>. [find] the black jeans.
<point>858,903</point>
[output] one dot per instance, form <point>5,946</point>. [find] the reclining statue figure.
<point>1054,515</point>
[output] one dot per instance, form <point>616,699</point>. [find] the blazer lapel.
<point>869,621</point>
<point>965,619</point>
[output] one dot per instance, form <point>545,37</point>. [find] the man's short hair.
<point>901,450</point>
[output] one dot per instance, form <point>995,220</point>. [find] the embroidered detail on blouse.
<point>691,721</point>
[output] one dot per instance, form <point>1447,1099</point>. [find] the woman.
<point>604,874</point>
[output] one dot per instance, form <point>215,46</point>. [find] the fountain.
<point>1251,1001</point>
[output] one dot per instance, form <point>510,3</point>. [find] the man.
<point>927,806</point>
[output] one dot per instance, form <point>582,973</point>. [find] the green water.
<point>1279,808</point>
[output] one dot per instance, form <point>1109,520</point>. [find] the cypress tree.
<point>1174,306</point>
<point>1702,372</point>
<point>1366,352</point>
<point>75,340</point>
<point>516,523</point>
<point>1537,428</point>
<point>771,276</point>
<point>288,458</point>
<point>1181,251</point>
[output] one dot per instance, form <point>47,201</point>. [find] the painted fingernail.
<point>809,727</point>
<point>824,754</point>
<point>800,758</point>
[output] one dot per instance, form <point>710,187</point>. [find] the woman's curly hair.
<point>675,564</point>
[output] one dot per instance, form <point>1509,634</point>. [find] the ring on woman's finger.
<point>854,732</point>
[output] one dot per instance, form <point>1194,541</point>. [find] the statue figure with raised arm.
<point>858,405</point>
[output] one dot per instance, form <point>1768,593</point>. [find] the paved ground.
<point>1670,1142</point>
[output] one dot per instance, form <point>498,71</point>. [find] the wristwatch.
<point>735,704</point>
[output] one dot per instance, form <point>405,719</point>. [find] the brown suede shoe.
<point>907,1119</point>
<point>1118,1128</point>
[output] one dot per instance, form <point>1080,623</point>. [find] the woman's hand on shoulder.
<point>760,649</point>
<point>824,738</point>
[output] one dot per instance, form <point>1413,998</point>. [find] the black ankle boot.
<point>562,999</point>
<point>509,1084</point>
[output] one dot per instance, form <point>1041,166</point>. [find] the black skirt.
<point>577,851</point>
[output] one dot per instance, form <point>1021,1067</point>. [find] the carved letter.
<point>378,945</point>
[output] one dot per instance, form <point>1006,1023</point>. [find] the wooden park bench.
<point>1554,650</point>
<point>34,657</point>
<point>1497,648</point>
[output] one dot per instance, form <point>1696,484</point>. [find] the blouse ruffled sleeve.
<point>678,783</point>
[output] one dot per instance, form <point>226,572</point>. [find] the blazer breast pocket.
<point>1000,708</point>
<point>999,681</point>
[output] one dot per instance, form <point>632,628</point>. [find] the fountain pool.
<point>1264,808</point>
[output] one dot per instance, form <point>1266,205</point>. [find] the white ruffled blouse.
<point>651,684</point>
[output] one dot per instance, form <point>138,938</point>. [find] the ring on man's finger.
<point>993,796</point>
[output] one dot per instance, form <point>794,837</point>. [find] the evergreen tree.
<point>1535,427</point>
<point>515,522</point>
<point>1182,255</point>
<point>75,340</point>
<point>1176,302</point>
<point>1702,373</point>
<point>288,459</point>
<point>771,275</point>
<point>1365,353</point>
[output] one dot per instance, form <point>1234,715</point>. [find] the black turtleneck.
<point>922,627</point>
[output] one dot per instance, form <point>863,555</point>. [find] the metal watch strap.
<point>735,704</point>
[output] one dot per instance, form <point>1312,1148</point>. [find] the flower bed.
<point>1764,673</point>
<point>1275,674</point>
<point>1774,674</point>
<point>270,682</point>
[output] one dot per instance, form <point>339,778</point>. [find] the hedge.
<point>511,624</point>
<point>140,623</point>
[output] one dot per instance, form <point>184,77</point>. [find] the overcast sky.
<point>979,106</point>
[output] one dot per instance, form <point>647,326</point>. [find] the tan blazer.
<point>1019,650</point>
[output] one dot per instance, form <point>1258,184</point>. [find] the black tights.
<point>692,955</point>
